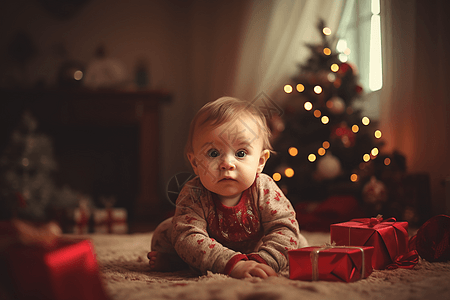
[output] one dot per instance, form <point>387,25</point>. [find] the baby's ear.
<point>265,154</point>
<point>193,162</point>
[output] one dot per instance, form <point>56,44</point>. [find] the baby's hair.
<point>226,109</point>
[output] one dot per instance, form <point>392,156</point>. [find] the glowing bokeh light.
<point>293,151</point>
<point>325,120</point>
<point>326,31</point>
<point>312,157</point>
<point>387,161</point>
<point>289,172</point>
<point>317,113</point>
<point>366,157</point>
<point>327,51</point>
<point>347,51</point>
<point>378,134</point>
<point>365,121</point>
<point>354,177</point>
<point>334,67</point>
<point>317,89</point>
<point>300,87</point>
<point>276,176</point>
<point>78,75</point>
<point>355,128</point>
<point>321,151</point>
<point>326,144</point>
<point>375,151</point>
<point>288,89</point>
<point>308,105</point>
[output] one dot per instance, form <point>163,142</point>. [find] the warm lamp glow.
<point>327,51</point>
<point>355,128</point>
<point>365,121</point>
<point>293,151</point>
<point>317,89</point>
<point>377,134</point>
<point>312,157</point>
<point>276,176</point>
<point>300,87</point>
<point>289,172</point>
<point>326,144</point>
<point>288,89</point>
<point>334,67</point>
<point>317,113</point>
<point>308,105</point>
<point>387,161</point>
<point>326,31</point>
<point>354,177</point>
<point>325,120</point>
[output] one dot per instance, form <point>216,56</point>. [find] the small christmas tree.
<point>324,146</point>
<point>26,186</point>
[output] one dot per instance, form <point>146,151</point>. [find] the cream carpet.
<point>124,267</point>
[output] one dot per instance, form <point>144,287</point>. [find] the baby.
<point>231,218</point>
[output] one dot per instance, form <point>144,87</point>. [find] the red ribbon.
<point>405,261</point>
<point>83,221</point>
<point>371,222</point>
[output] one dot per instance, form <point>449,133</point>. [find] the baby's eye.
<point>213,153</point>
<point>241,153</point>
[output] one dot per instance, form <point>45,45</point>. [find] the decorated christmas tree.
<point>324,146</point>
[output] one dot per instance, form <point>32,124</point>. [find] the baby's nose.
<point>227,164</point>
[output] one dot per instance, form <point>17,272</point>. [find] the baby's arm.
<point>191,239</point>
<point>281,231</point>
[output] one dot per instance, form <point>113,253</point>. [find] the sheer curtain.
<point>415,99</point>
<point>274,43</point>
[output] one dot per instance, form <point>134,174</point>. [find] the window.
<point>359,41</point>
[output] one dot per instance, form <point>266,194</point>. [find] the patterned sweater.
<point>208,235</point>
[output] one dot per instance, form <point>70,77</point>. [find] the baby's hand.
<point>250,268</point>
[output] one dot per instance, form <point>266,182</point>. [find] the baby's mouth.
<point>227,179</point>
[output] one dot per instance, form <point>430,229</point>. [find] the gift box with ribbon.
<point>65,269</point>
<point>110,220</point>
<point>388,237</point>
<point>330,263</point>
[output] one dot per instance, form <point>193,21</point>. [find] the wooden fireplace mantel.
<point>107,108</point>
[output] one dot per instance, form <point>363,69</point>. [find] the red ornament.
<point>358,89</point>
<point>344,68</point>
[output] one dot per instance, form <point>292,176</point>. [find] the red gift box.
<point>389,237</point>
<point>330,263</point>
<point>110,220</point>
<point>66,270</point>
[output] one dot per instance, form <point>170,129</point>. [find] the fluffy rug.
<point>124,267</point>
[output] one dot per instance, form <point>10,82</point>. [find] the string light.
<point>334,68</point>
<point>387,161</point>
<point>308,105</point>
<point>293,151</point>
<point>327,51</point>
<point>300,87</point>
<point>326,31</point>
<point>317,113</point>
<point>354,177</point>
<point>325,120</point>
<point>312,157</point>
<point>288,89</point>
<point>355,128</point>
<point>326,144</point>
<point>321,151</point>
<point>317,89</point>
<point>289,172</point>
<point>276,176</point>
<point>377,134</point>
<point>374,151</point>
<point>366,157</point>
<point>365,121</point>
<point>78,75</point>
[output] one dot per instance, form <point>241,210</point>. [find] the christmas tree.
<point>27,164</point>
<point>324,146</point>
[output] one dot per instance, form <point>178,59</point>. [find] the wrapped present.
<point>81,216</point>
<point>110,220</point>
<point>67,269</point>
<point>389,237</point>
<point>330,263</point>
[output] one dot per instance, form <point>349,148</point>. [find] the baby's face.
<point>228,157</point>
